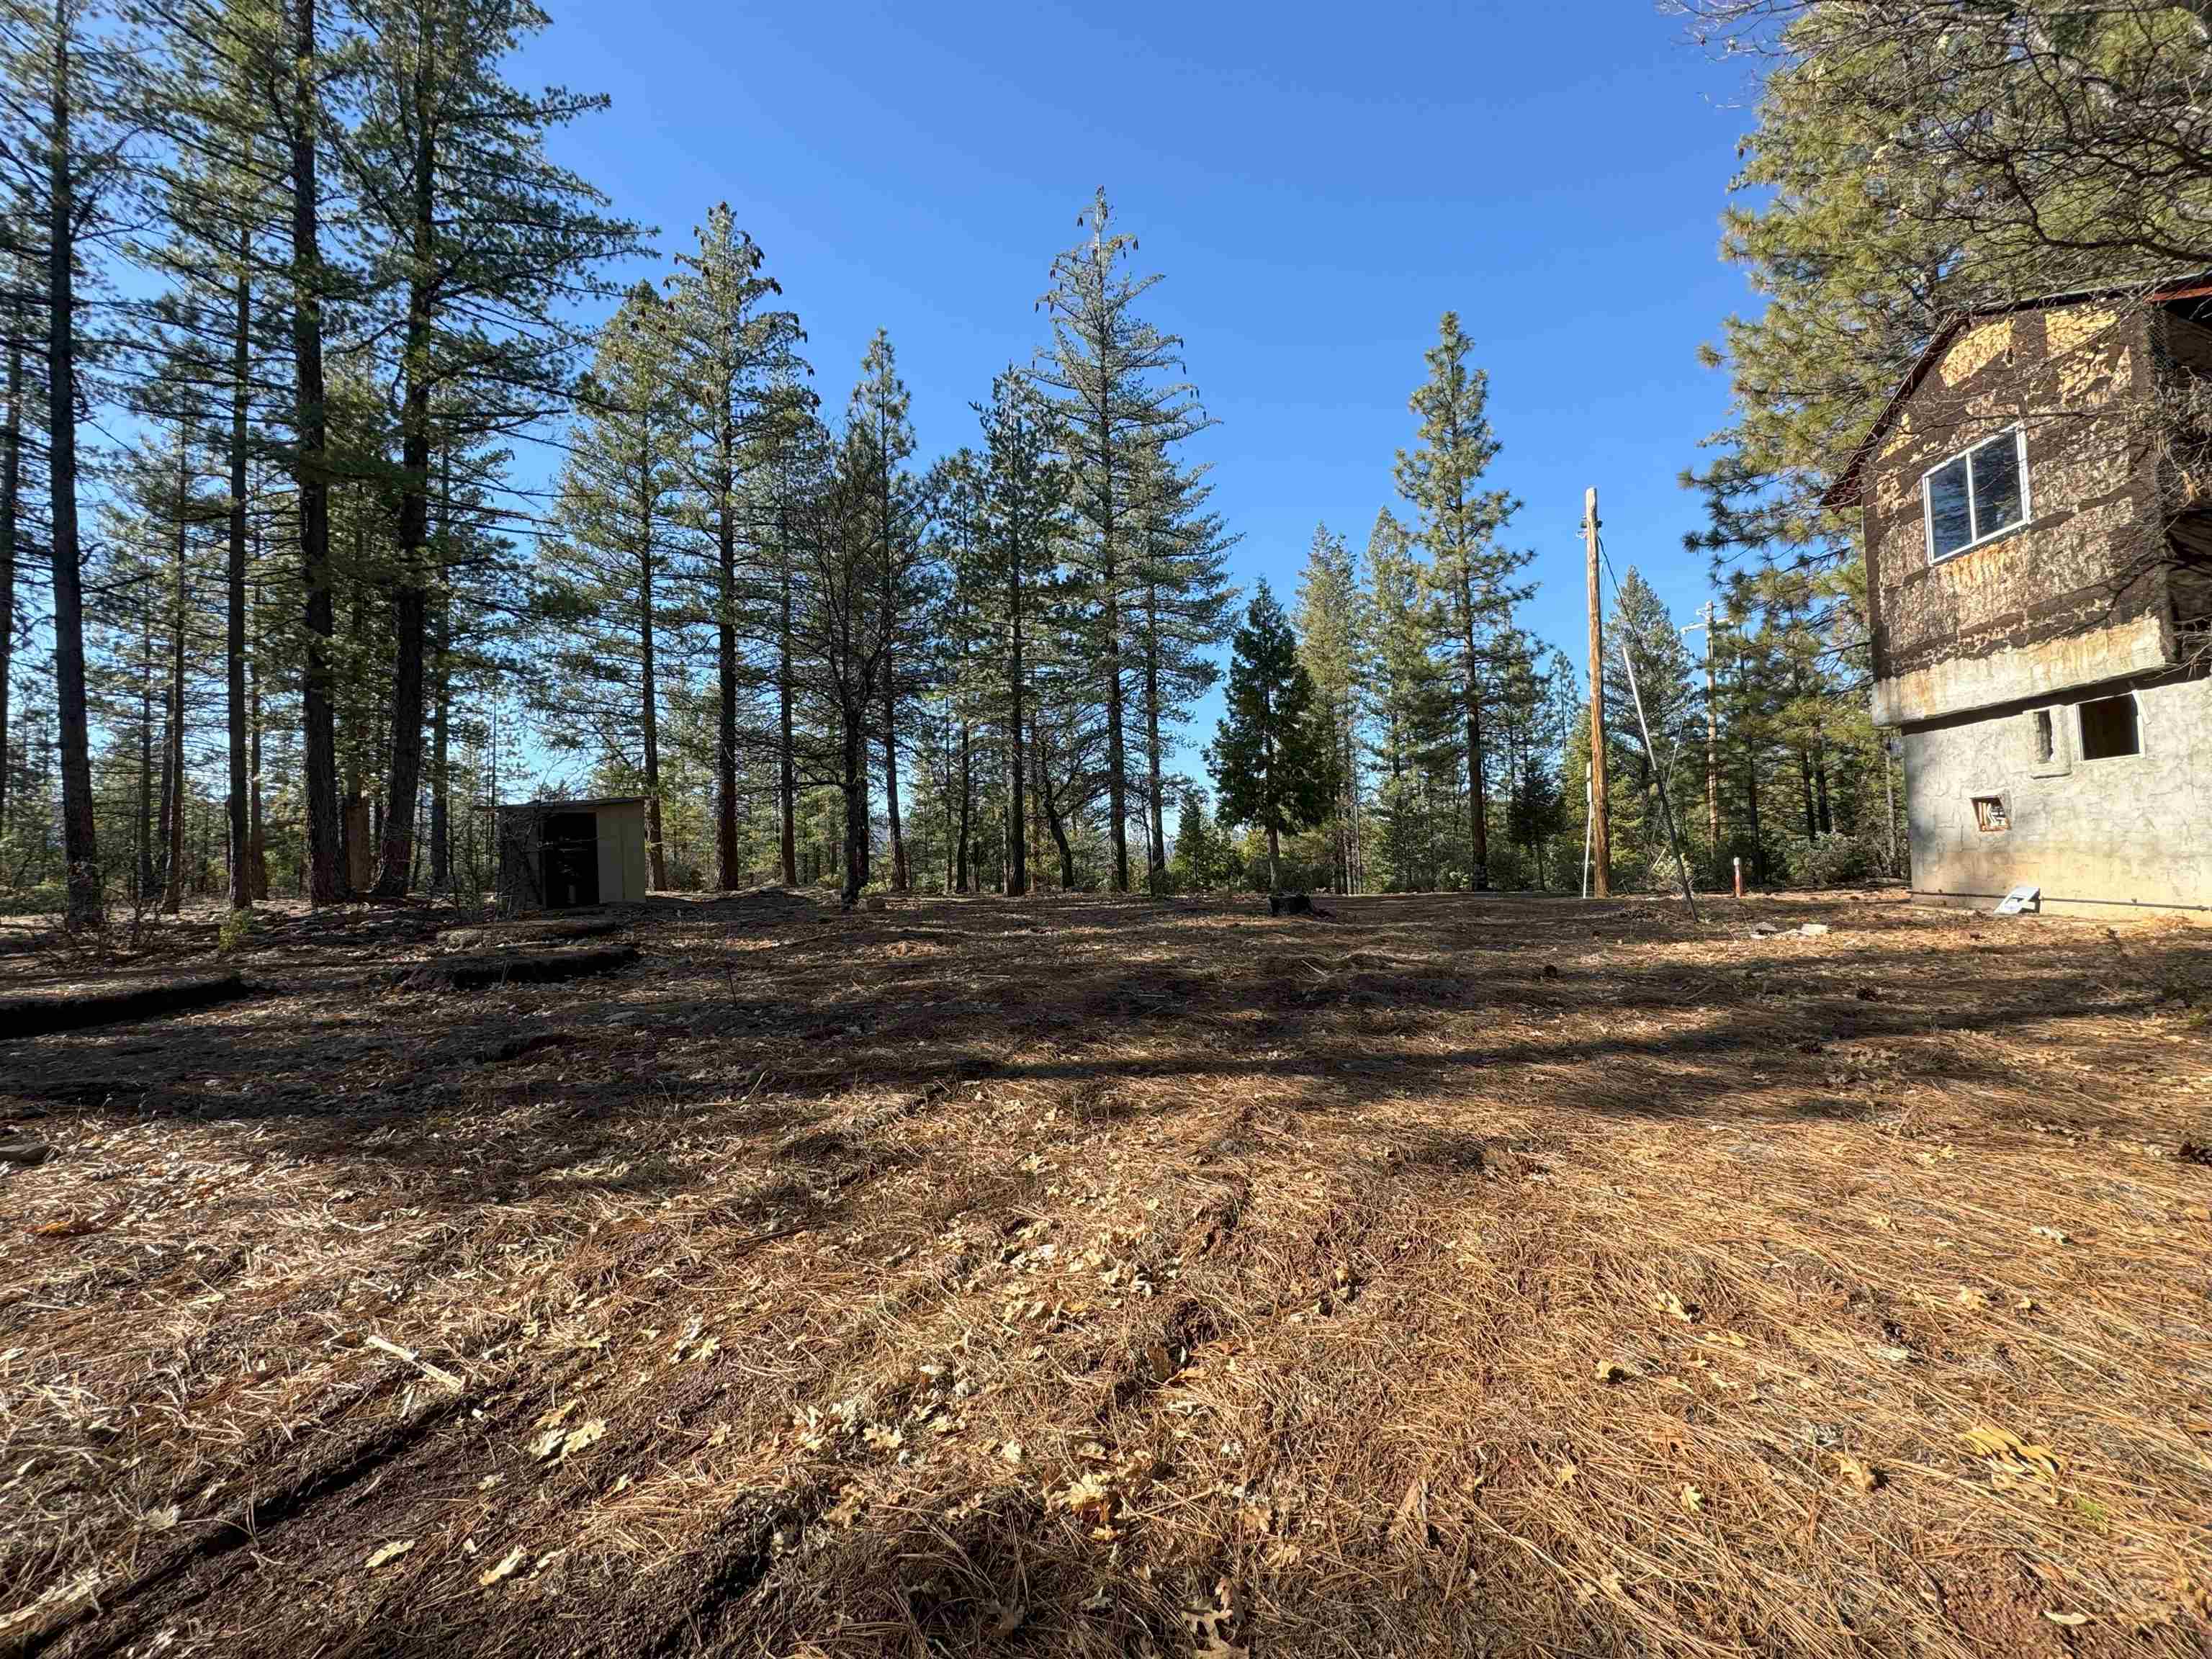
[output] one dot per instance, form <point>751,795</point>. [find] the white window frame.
<point>2019,436</point>
<point>2082,749</point>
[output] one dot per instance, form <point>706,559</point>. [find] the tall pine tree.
<point>1459,523</point>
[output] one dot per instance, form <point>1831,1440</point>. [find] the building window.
<point>2046,738</point>
<point>1977,497</point>
<point>2111,727</point>
<point>1990,812</point>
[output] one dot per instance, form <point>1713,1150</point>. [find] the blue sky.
<point>1318,184</point>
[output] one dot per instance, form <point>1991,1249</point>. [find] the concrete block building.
<point>2037,524</point>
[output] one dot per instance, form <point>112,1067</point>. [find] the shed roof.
<point>1844,491</point>
<point>572,803</point>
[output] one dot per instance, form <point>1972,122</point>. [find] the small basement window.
<point>2111,727</point>
<point>1974,497</point>
<point>1990,812</point>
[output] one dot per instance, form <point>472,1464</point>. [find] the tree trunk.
<point>656,855</point>
<point>143,889</point>
<point>1059,840</point>
<point>725,663</point>
<point>172,891</point>
<point>441,723</point>
<point>1017,867</point>
<point>1116,754</point>
<point>410,599</point>
<point>855,778</point>
<point>257,849</point>
<point>157,885</point>
<point>80,839</point>
<point>241,880</point>
<point>891,779</point>
<point>1156,857</point>
<point>890,676</point>
<point>11,482</point>
<point>327,882</point>
<point>1478,818</point>
<point>1751,815</point>
<point>967,808</point>
<point>786,765</point>
<point>1275,860</point>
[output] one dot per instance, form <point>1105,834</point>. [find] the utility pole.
<point>1709,619</point>
<point>1601,838</point>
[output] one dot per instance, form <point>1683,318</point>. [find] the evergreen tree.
<point>1270,760</point>
<point>1106,366</point>
<point>878,419</point>
<point>1201,851</point>
<point>222,205</point>
<point>786,456</point>
<point>1180,605</point>
<point>840,645</point>
<point>481,242</point>
<point>1414,712</point>
<point>1025,497</point>
<point>73,79</point>
<point>734,354</point>
<point>1642,631</point>
<point>22,449</point>
<point>1333,630</point>
<point>1459,523</point>
<point>617,519</point>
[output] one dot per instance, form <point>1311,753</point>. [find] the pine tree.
<point>286,45</point>
<point>1106,364</point>
<point>1459,525</point>
<point>1333,628</point>
<point>1180,602</point>
<point>221,189</point>
<point>733,352</point>
<point>1269,759</point>
<point>837,630</point>
<point>1201,856</point>
<point>481,242</point>
<point>1025,497</point>
<point>1413,709</point>
<point>1641,631</point>
<point>617,514</point>
<point>786,456</point>
<point>960,655</point>
<point>74,87</point>
<point>877,415</point>
<point>20,449</point>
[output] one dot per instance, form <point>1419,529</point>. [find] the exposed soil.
<point>1120,1277</point>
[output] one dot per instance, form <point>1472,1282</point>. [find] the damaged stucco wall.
<point>2073,596</point>
<point>2092,833</point>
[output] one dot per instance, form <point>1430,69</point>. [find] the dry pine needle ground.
<point>1441,1275</point>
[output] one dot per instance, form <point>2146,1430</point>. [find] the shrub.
<point>235,932</point>
<point>1836,860</point>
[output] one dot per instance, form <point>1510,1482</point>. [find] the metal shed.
<point>560,854</point>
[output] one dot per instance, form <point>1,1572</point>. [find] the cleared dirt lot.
<point>1442,1276</point>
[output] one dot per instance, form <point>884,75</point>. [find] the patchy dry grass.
<point>1116,1277</point>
